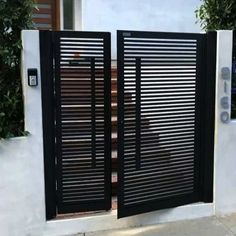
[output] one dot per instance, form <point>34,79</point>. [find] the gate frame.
<point>48,101</point>
<point>206,134</point>
<point>208,137</point>
<point>50,131</point>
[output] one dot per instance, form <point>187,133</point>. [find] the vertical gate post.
<point>209,117</point>
<point>33,118</point>
<point>46,60</point>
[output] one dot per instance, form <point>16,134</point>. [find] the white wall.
<point>22,208</point>
<point>225,139</point>
<point>148,15</point>
<point>22,202</point>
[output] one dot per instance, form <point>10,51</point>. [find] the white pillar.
<point>78,15</point>
<point>33,124</point>
<point>22,205</point>
<point>32,95</point>
<point>225,134</point>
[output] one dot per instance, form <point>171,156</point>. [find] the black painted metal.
<point>165,120</point>
<point>82,121</point>
<point>93,112</point>
<point>166,94</point>
<point>48,111</point>
<point>209,112</point>
<point>138,107</point>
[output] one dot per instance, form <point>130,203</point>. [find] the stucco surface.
<point>149,15</point>
<point>22,201</point>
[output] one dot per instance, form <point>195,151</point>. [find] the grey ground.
<point>211,226</point>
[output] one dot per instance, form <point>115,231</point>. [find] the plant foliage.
<point>217,14</point>
<point>220,15</point>
<point>15,15</point>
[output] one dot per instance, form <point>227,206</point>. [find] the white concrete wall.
<point>148,15</point>
<point>22,208</point>
<point>225,138</point>
<point>22,202</point>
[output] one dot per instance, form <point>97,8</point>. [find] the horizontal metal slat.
<point>162,155</point>
<point>164,178</point>
<point>83,200</point>
<point>163,159</point>
<point>177,194</point>
<point>174,148</point>
<point>158,188</point>
<point>161,175</point>
<point>160,183</point>
<point>81,183</point>
<point>80,179</point>
<point>145,53</point>
<point>130,173</point>
<point>166,191</point>
<point>154,48</point>
<point>160,41</point>
<point>158,45</point>
<point>83,193</point>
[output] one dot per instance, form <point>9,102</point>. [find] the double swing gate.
<point>165,120</point>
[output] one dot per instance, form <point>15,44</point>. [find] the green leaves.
<point>217,15</point>
<point>15,15</point>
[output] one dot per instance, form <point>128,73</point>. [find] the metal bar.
<point>58,103</point>
<point>199,116</point>
<point>93,113</point>
<point>138,110</point>
<point>209,111</point>
<point>46,64</point>
<point>160,35</point>
<point>107,119</point>
<point>120,111</point>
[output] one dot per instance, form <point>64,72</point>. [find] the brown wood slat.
<point>40,10</point>
<point>42,28</point>
<point>53,10</point>
<point>44,1</point>
<point>42,21</point>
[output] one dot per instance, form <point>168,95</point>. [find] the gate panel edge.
<point>46,63</point>
<point>209,111</point>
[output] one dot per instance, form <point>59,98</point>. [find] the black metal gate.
<point>75,69</point>
<point>166,97</point>
<point>165,119</point>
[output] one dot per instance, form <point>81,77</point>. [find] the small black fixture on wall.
<point>32,77</point>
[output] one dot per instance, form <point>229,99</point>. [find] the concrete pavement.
<point>211,226</point>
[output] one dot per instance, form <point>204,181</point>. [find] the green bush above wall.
<point>15,15</point>
<point>217,14</point>
<point>220,15</point>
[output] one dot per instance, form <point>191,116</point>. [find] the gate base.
<point>108,221</point>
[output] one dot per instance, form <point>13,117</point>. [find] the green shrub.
<point>15,15</point>
<point>220,15</point>
<point>217,14</point>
